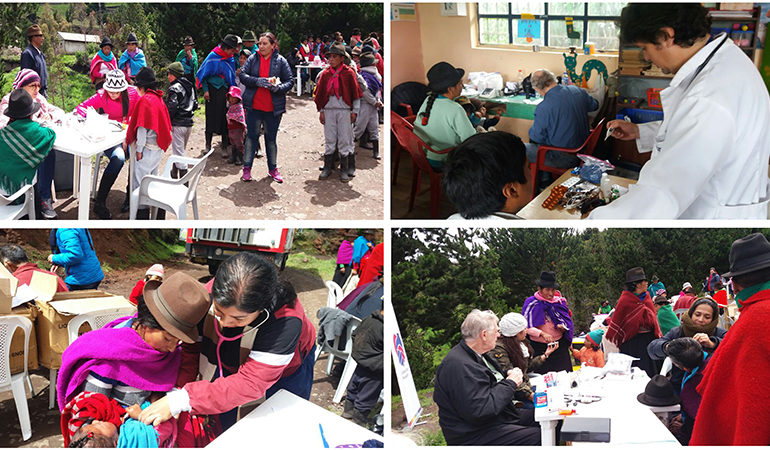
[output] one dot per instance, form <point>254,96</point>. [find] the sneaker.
<point>275,175</point>
<point>46,209</point>
<point>246,174</point>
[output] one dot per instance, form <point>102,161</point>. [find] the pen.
<point>326,444</point>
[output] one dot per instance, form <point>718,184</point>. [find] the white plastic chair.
<point>346,354</point>
<point>169,193</point>
<point>350,284</point>
<point>96,161</point>
<point>97,319</point>
<point>680,312</point>
<point>15,383</point>
<point>9,211</point>
<point>335,294</point>
<point>667,366</point>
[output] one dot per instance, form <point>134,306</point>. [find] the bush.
<point>420,354</point>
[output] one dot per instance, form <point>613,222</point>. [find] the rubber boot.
<point>352,165</point>
<point>238,157</point>
<point>231,159</point>
<point>127,201</point>
<point>208,142</point>
<point>143,214</point>
<point>327,168</point>
<point>376,149</point>
<point>348,412</point>
<point>174,172</point>
<point>100,203</point>
<point>344,177</point>
<point>363,139</point>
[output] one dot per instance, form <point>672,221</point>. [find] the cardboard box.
<point>56,313</point>
<point>17,342</point>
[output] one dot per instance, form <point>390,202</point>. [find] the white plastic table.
<point>72,141</point>
<point>287,421</point>
<point>299,75</point>
<point>631,421</point>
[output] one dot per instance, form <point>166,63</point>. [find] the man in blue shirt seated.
<point>561,119</point>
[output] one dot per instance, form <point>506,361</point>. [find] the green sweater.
<point>23,146</point>
<point>667,319</point>
<point>447,127</point>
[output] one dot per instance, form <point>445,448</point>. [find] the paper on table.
<point>24,294</point>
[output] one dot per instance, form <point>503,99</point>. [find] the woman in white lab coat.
<point>710,153</point>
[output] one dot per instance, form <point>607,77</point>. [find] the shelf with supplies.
<point>740,25</point>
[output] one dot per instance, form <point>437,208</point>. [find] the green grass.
<point>323,267</point>
<point>434,439</point>
<point>425,396</point>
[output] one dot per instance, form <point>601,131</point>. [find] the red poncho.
<point>151,113</point>
<point>735,389</point>
<point>630,316</point>
<point>345,83</point>
<point>372,267</point>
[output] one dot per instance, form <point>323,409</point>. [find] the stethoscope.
<point>222,338</point>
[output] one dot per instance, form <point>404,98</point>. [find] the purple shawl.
<point>535,311</point>
<point>345,253</point>
<point>119,354</point>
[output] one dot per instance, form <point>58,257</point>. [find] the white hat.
<point>115,81</point>
<point>686,285</point>
<point>156,269</point>
<point>511,324</point>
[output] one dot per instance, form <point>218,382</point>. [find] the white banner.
<point>403,373</point>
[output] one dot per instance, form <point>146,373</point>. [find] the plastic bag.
<point>619,363</point>
<point>593,168</point>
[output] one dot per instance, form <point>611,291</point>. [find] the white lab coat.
<point>710,153</point>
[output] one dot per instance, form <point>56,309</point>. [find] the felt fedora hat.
<point>188,40</point>
<point>547,280</point>
<point>749,254</point>
<point>658,392</point>
<point>230,40</point>
<point>21,105</point>
<point>336,49</point>
<point>145,78</point>
<point>635,274</point>
<point>34,30</point>
<point>249,36</point>
<point>367,59</point>
<point>106,41</point>
<point>131,39</point>
<point>443,75</point>
<point>178,304</point>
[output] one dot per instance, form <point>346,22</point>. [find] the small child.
<point>338,99</point>
<point>236,125</point>
<point>367,121</point>
<point>687,354</point>
<point>181,102</point>
<point>591,354</point>
<point>155,272</point>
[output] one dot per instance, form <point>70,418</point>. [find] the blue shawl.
<point>360,247</point>
<point>217,64</point>
<point>136,62</point>
<point>535,311</point>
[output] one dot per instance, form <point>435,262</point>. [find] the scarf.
<point>217,63</point>
<point>360,248</point>
<point>690,328</point>
<point>630,315</point>
<point>132,63</point>
<point>89,405</point>
<point>119,354</point>
<point>135,434</point>
<point>345,253</point>
<point>375,85</point>
<point>106,58</point>
<point>23,146</point>
<point>536,309</point>
<point>333,83</point>
<point>150,112</point>
<point>744,295</point>
<point>235,112</point>
<point>99,59</point>
<point>341,83</point>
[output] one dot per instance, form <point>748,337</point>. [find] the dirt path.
<point>45,423</point>
<point>222,195</point>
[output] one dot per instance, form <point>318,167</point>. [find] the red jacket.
<point>630,316</point>
<point>348,86</point>
<point>24,274</point>
<point>735,389</point>
<point>136,292</point>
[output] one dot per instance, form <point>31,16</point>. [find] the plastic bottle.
<point>605,185</point>
<point>565,78</point>
<point>520,77</point>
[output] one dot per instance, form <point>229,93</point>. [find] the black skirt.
<point>558,360</point>
<point>637,347</point>
<point>216,111</point>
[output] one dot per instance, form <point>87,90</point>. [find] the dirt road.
<point>302,196</point>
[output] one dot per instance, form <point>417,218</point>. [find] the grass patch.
<point>425,396</point>
<point>152,249</point>
<point>433,439</point>
<point>323,267</point>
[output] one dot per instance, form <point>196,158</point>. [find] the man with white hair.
<point>561,119</point>
<point>474,396</point>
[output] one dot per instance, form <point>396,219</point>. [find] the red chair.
<point>397,155</point>
<point>586,149</point>
<point>404,132</point>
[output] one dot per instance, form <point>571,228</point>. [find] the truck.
<point>211,246</point>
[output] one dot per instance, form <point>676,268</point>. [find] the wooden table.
<point>535,210</point>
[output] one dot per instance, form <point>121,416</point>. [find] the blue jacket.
<point>561,119</point>
<point>77,256</point>
<point>33,59</point>
<point>279,67</point>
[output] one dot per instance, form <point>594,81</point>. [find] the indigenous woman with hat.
<point>132,60</point>
<point>24,143</point>
<point>188,58</point>
<point>267,77</point>
<point>700,323</point>
<point>635,323</point>
<point>116,99</point>
<point>215,75</point>
<point>257,341</point>
<point>441,122</point>
<point>102,63</point>
<point>549,322</point>
<point>514,350</point>
<point>149,130</point>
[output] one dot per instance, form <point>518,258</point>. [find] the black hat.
<point>547,280</point>
<point>635,274</point>
<point>367,59</point>
<point>749,254</point>
<point>21,105</point>
<point>145,78</point>
<point>106,41</point>
<point>442,76</point>
<point>658,392</point>
<point>188,41</point>
<point>336,49</point>
<point>249,35</point>
<point>367,49</point>
<point>131,39</point>
<point>230,40</point>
